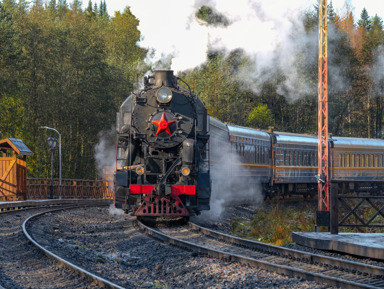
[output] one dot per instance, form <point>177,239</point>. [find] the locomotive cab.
<point>162,150</point>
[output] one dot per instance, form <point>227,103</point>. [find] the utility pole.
<point>323,149</point>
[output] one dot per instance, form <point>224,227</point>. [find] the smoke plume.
<point>227,187</point>
<point>378,72</point>
<point>271,33</point>
<point>105,152</point>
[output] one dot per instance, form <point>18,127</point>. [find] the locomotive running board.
<point>154,206</point>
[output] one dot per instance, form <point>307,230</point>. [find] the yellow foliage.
<point>279,242</point>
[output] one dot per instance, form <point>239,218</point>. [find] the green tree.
<point>123,55</point>
<point>365,21</point>
<point>260,117</point>
<point>211,17</point>
<point>331,12</point>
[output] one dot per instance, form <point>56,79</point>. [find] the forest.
<point>70,68</point>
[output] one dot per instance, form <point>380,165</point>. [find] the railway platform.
<point>368,245</point>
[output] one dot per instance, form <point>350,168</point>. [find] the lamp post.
<point>52,142</point>
<point>55,130</point>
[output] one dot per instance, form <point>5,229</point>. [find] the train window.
<point>357,160</point>
<point>285,158</point>
<point>370,161</point>
<point>375,161</point>
<point>263,155</point>
<point>300,158</point>
<point>341,160</point>
<point>257,155</point>
<point>362,162</point>
<point>266,155</point>
<point>380,161</point>
<point>351,160</point>
<point>346,161</point>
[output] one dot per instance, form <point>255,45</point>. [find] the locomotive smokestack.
<point>165,77</point>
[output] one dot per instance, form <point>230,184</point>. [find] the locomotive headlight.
<point>164,95</point>
<point>139,171</point>
<point>185,171</point>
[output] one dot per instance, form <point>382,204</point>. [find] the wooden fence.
<point>69,189</point>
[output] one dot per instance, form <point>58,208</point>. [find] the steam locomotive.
<point>162,150</point>
<point>169,151</point>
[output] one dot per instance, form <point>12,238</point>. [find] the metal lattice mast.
<point>323,149</point>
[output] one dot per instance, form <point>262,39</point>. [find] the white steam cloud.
<point>378,72</point>
<point>269,32</point>
<point>227,187</point>
<point>105,153</point>
<point>115,211</point>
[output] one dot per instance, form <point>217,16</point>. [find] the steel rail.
<point>291,253</point>
<point>368,272</point>
<point>65,263</point>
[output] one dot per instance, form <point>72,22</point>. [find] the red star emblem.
<point>163,124</point>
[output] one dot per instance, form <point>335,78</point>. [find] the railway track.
<point>313,267</point>
<point>22,266</point>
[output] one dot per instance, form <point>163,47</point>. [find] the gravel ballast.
<point>107,243</point>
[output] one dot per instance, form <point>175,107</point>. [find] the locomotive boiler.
<point>162,163</point>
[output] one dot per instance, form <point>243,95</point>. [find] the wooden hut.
<point>13,169</point>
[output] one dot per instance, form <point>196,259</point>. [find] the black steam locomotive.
<point>162,150</point>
